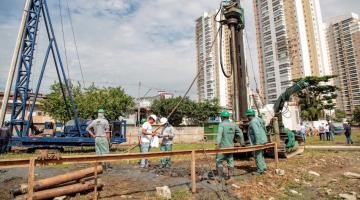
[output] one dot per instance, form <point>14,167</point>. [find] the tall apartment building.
<point>211,82</point>
<point>343,36</point>
<point>291,43</point>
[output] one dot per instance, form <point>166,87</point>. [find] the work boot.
<point>220,171</point>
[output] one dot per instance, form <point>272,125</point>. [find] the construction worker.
<point>225,138</point>
<point>167,134</point>
<point>147,134</point>
<point>257,134</point>
<point>140,132</point>
<point>99,129</point>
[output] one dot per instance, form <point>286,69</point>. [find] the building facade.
<point>343,36</point>
<point>291,44</point>
<point>211,82</point>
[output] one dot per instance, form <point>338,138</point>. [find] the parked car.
<point>339,128</point>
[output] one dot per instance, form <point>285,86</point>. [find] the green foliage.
<point>197,112</point>
<point>356,115</point>
<point>339,115</point>
<point>114,100</point>
<point>317,97</point>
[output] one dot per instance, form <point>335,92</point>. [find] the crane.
<point>21,113</point>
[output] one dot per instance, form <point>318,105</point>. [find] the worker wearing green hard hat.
<point>100,130</point>
<point>101,110</point>
<point>257,134</point>
<point>225,138</point>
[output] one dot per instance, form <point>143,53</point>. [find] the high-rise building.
<point>291,44</point>
<point>211,82</point>
<point>343,36</point>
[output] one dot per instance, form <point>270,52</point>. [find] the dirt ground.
<point>128,181</point>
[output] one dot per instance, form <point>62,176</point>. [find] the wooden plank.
<point>193,172</point>
<point>31,178</point>
<point>96,181</point>
<point>276,155</point>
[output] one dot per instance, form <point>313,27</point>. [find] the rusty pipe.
<point>65,190</point>
<point>56,180</point>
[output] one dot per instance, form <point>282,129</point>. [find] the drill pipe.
<point>56,180</point>
<point>61,191</point>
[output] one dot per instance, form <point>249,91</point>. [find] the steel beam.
<point>7,163</point>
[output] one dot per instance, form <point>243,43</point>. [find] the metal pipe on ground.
<point>56,180</point>
<point>61,191</point>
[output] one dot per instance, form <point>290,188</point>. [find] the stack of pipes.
<point>65,184</point>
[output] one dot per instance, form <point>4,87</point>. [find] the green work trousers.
<point>222,157</point>
<point>165,162</point>
<point>101,145</point>
<point>260,161</point>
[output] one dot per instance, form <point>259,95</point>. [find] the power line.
<point>63,39</point>
<point>74,38</point>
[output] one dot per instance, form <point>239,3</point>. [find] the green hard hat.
<point>250,112</point>
<point>101,110</point>
<point>225,114</point>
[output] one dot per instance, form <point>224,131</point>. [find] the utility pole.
<point>139,98</point>
<point>13,64</point>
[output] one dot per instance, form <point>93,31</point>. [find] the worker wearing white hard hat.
<point>147,134</point>
<point>167,134</point>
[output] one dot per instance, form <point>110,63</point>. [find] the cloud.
<point>122,42</point>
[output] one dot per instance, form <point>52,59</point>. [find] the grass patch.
<point>339,139</point>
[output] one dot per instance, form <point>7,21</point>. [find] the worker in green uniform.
<point>257,134</point>
<point>225,138</point>
<point>99,129</point>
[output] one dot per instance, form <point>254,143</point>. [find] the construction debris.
<point>61,191</point>
<point>61,185</point>
<point>163,192</point>
<point>280,172</point>
<point>352,175</point>
<point>314,173</point>
<point>351,196</point>
<point>56,180</point>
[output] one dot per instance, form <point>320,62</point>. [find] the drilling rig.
<point>289,143</point>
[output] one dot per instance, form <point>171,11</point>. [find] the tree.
<point>339,115</point>
<point>356,115</point>
<point>317,97</point>
<point>204,110</point>
<point>197,112</point>
<point>114,100</point>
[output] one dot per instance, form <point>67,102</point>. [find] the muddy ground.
<point>128,181</point>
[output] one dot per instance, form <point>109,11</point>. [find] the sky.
<point>122,42</point>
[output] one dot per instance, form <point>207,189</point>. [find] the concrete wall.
<point>183,134</point>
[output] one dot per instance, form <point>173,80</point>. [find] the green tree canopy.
<point>318,97</point>
<point>339,115</point>
<point>356,115</point>
<point>197,112</point>
<point>87,101</point>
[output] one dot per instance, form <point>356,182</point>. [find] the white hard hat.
<point>153,117</point>
<point>163,120</point>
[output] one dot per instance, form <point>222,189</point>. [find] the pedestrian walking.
<point>257,133</point>
<point>327,132</point>
<point>347,128</point>
<point>322,131</point>
<point>147,134</point>
<point>167,134</point>
<point>99,129</point>
<point>225,138</point>
<point>303,131</point>
<point>332,131</point>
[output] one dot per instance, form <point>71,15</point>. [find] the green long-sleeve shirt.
<point>226,133</point>
<point>257,131</point>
